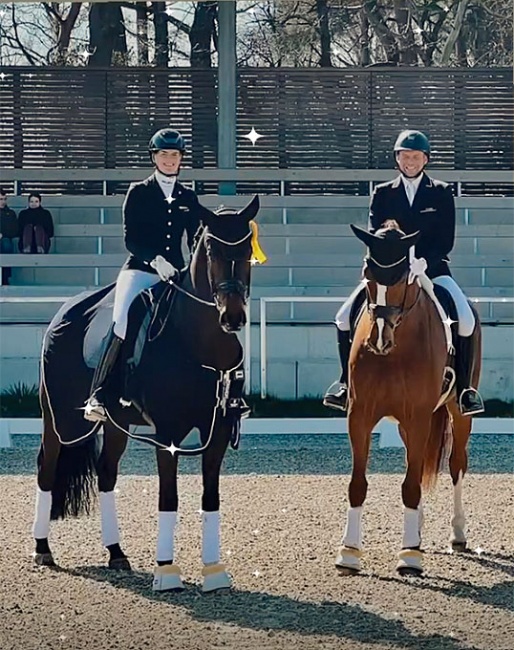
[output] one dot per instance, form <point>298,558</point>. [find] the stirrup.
<point>337,397</point>
<point>475,403</point>
<point>94,411</point>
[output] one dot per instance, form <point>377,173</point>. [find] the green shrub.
<point>20,401</point>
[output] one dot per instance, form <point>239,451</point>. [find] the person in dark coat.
<point>35,227</point>
<point>8,232</point>
<point>418,203</point>
<point>157,212</point>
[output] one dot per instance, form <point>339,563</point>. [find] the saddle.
<point>146,318</point>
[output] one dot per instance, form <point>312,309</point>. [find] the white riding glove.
<point>418,266</point>
<point>165,270</point>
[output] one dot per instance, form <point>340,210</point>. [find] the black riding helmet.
<point>412,141</point>
<point>166,139</point>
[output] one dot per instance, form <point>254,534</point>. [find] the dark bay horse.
<point>180,368</point>
<point>398,359</point>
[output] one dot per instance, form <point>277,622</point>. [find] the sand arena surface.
<point>280,534</point>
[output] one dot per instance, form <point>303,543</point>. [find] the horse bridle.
<point>233,284</point>
<point>387,312</point>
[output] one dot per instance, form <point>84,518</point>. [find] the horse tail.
<point>74,486</point>
<point>436,445</point>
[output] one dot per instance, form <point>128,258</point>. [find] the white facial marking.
<point>381,300</point>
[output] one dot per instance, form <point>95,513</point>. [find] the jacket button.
<point>167,248</point>
<point>168,236</point>
<point>169,223</point>
<point>169,211</point>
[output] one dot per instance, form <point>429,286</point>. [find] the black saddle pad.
<point>146,317</point>
<point>358,307</point>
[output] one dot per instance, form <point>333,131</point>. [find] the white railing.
<point>292,299</point>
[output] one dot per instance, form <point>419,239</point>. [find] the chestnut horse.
<point>397,363</point>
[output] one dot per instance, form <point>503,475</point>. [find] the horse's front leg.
<point>167,575</point>
<point>360,427</point>
<point>214,573</point>
<point>416,434</point>
<point>114,444</point>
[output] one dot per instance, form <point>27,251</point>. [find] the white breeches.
<point>465,315</point>
<point>343,315</point>
<point>128,285</point>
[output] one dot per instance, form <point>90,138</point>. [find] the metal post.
<point>248,351</point>
<point>227,113</point>
<point>262,329</point>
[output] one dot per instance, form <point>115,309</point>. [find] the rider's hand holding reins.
<point>165,270</point>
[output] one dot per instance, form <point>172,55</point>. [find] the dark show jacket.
<point>153,226</point>
<point>8,223</point>
<point>36,217</point>
<point>432,212</point>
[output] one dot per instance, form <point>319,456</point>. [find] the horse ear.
<point>412,240</point>
<point>207,216</point>
<point>250,210</point>
<point>365,236</point>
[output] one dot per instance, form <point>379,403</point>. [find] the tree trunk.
<point>406,36</point>
<point>142,33</point>
<point>364,56</point>
<point>204,96</point>
<point>107,38</point>
<point>161,35</point>
<point>385,36</point>
<point>324,33</point>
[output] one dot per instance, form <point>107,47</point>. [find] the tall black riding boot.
<point>470,401</point>
<point>337,395</point>
<point>94,410</point>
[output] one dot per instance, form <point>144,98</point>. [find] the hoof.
<point>167,578</point>
<point>120,564</point>
<point>459,547</point>
<point>348,561</point>
<point>215,577</point>
<point>410,562</point>
<point>44,559</point>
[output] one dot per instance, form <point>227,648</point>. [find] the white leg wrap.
<point>459,519</point>
<point>166,536</point>
<point>41,526</point>
<point>210,537</point>
<point>353,532</point>
<point>464,313</point>
<point>109,518</point>
<point>411,527</point>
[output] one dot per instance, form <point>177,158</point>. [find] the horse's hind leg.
<point>215,576</point>
<point>114,444</point>
<point>458,468</point>
<point>360,427</point>
<point>47,465</point>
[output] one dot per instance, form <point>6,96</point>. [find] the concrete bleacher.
<point>305,258</point>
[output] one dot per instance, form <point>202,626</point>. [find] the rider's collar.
<point>165,179</point>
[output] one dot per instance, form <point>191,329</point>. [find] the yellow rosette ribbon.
<point>257,252</point>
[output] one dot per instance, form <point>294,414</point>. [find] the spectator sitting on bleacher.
<point>35,227</point>
<point>8,232</point>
